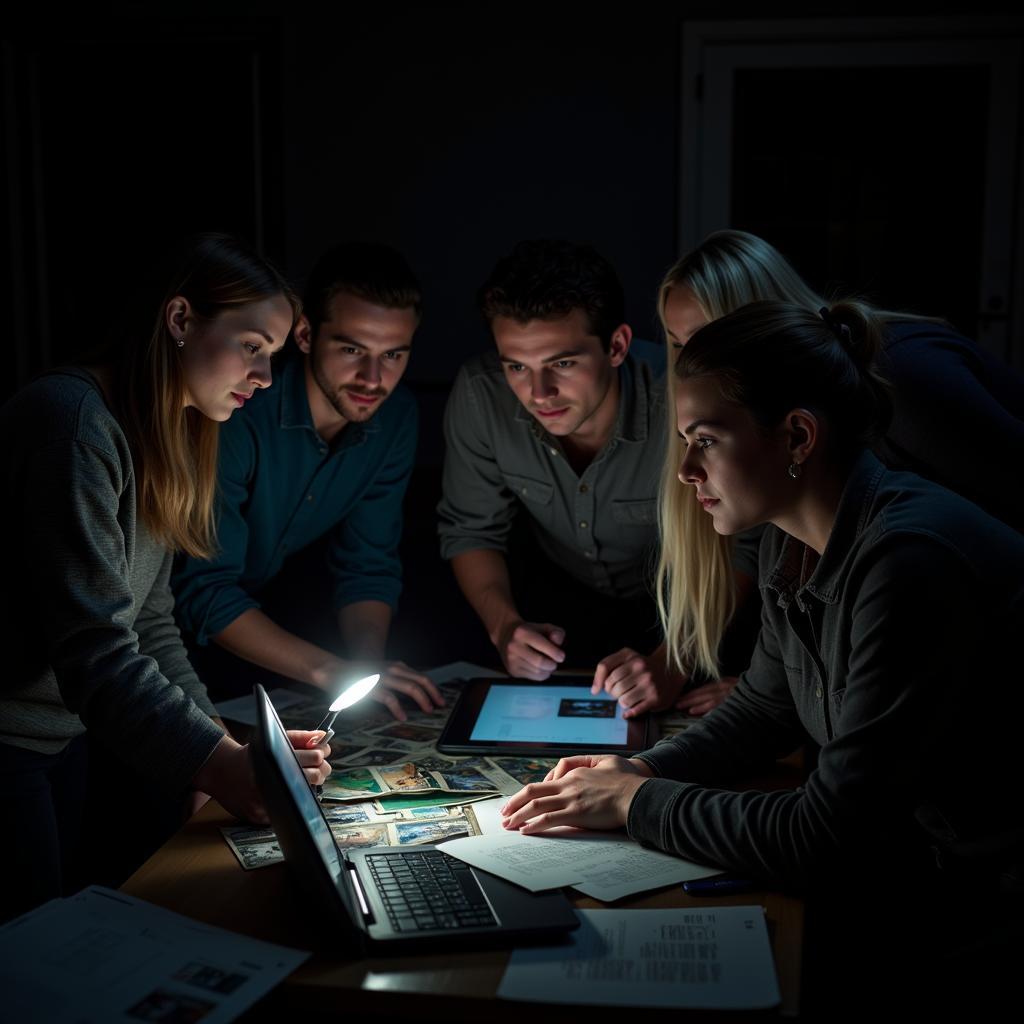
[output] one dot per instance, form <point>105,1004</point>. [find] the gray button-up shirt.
<point>600,526</point>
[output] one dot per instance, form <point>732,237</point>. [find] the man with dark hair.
<point>326,452</point>
<point>562,428</point>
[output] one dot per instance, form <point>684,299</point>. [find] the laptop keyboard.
<point>427,890</point>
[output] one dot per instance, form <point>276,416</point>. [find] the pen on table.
<point>717,886</point>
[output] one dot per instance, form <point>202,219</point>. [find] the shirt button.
<point>583,524</point>
<point>589,554</point>
<point>309,497</point>
<point>817,692</point>
<point>554,451</point>
<point>522,490</point>
<point>584,488</point>
<point>323,451</point>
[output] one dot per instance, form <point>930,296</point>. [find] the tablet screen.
<point>538,713</point>
<point>550,719</point>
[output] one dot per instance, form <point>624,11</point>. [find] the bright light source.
<point>355,692</point>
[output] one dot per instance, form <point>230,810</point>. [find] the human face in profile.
<point>356,359</point>
<point>562,375</point>
<point>737,470</point>
<point>225,360</point>
<point>683,316</point>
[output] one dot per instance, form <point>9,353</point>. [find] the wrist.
<point>205,779</point>
<point>324,672</point>
<point>629,792</point>
<point>503,628</point>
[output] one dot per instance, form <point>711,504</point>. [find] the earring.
<point>180,342</point>
<point>795,469</point>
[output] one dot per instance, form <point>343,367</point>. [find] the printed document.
<point>709,957</point>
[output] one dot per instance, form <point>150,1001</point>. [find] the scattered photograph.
<point>460,778</point>
<point>415,833</point>
<point>340,752</point>
<point>347,814</point>
<point>213,978</point>
<point>525,769</point>
<point>406,776</point>
<point>254,847</point>
<point>170,1008</point>
<point>360,837</point>
<point>407,802</point>
<point>376,757</point>
<point>410,731</point>
<point>431,811</point>
<point>350,783</point>
<point>578,707</point>
<point>433,762</point>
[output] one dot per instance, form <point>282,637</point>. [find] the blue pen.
<point>717,886</point>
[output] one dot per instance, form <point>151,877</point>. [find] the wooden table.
<point>196,874</point>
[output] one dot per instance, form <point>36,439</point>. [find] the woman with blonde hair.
<point>947,394</point>
<point>109,468</point>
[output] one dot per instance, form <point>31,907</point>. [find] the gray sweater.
<point>86,621</point>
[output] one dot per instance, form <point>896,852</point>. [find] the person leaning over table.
<point>108,468</point>
<point>558,434</point>
<point>887,601</point>
<point>327,452</point>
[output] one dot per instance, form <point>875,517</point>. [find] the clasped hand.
<point>587,791</point>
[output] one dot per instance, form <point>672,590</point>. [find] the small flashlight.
<point>350,695</point>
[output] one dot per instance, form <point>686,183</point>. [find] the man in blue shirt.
<point>327,450</point>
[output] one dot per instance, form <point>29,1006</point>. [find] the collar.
<point>631,418</point>
<point>852,515</point>
<point>296,414</point>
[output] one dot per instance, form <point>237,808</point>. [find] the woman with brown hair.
<point>109,468</point>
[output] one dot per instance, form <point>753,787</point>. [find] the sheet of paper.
<point>461,670</point>
<point>710,958</point>
<point>243,709</point>
<point>101,957</point>
<point>606,866</point>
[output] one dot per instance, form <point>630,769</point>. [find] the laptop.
<point>392,897</point>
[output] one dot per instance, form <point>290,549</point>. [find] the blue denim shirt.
<point>897,652</point>
<point>281,487</point>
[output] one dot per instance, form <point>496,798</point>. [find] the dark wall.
<point>454,135</point>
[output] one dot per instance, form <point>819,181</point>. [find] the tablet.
<point>555,718</point>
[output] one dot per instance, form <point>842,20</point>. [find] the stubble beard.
<point>352,413</point>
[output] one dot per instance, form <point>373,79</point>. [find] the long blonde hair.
<point>174,448</point>
<point>695,583</point>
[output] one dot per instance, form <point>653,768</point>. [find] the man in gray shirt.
<point>563,428</point>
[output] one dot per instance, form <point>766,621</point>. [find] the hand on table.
<point>588,791</point>
<point>639,682</point>
<point>531,650</point>
<point>395,677</point>
<point>702,699</point>
<point>229,778</point>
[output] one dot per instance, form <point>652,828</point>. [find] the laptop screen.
<point>302,832</point>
